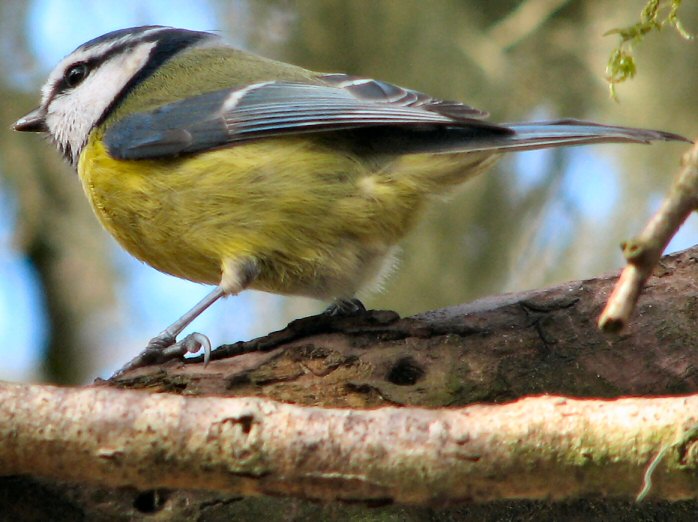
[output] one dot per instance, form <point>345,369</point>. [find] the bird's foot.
<point>345,307</point>
<point>165,347</point>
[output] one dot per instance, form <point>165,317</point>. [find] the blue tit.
<point>225,168</point>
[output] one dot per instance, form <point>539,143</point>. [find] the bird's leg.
<point>345,306</point>
<point>164,346</point>
<point>236,276</point>
<point>167,339</point>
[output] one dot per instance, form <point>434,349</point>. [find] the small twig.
<point>647,479</point>
<point>681,446</point>
<point>643,253</point>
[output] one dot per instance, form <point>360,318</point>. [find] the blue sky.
<point>58,26</point>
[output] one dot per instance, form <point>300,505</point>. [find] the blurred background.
<point>73,306</point>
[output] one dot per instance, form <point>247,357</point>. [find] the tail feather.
<point>511,137</point>
<point>481,146</point>
<point>534,135</point>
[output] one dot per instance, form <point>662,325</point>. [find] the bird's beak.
<point>35,121</point>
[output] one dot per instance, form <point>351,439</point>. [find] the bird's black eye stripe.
<point>75,74</point>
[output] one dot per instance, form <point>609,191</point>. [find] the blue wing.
<point>230,116</point>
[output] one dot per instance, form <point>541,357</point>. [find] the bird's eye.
<point>76,74</point>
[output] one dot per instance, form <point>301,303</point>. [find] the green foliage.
<point>655,15</point>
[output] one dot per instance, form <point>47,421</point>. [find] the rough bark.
<point>537,448</point>
<point>493,350</point>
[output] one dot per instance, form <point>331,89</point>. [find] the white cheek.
<point>63,122</point>
<point>71,116</point>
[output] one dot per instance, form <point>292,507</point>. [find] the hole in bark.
<point>405,372</point>
<point>246,423</point>
<point>151,501</point>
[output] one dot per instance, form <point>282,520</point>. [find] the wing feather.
<point>230,116</point>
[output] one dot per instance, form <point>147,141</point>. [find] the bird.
<point>226,168</point>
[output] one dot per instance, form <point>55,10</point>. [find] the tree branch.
<point>545,447</point>
<point>643,253</point>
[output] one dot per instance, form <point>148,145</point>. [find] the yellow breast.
<point>317,222</point>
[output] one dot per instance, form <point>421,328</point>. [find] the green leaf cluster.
<point>654,16</point>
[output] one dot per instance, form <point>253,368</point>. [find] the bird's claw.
<point>345,307</point>
<point>194,342</point>
<point>169,348</point>
<point>165,347</point>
